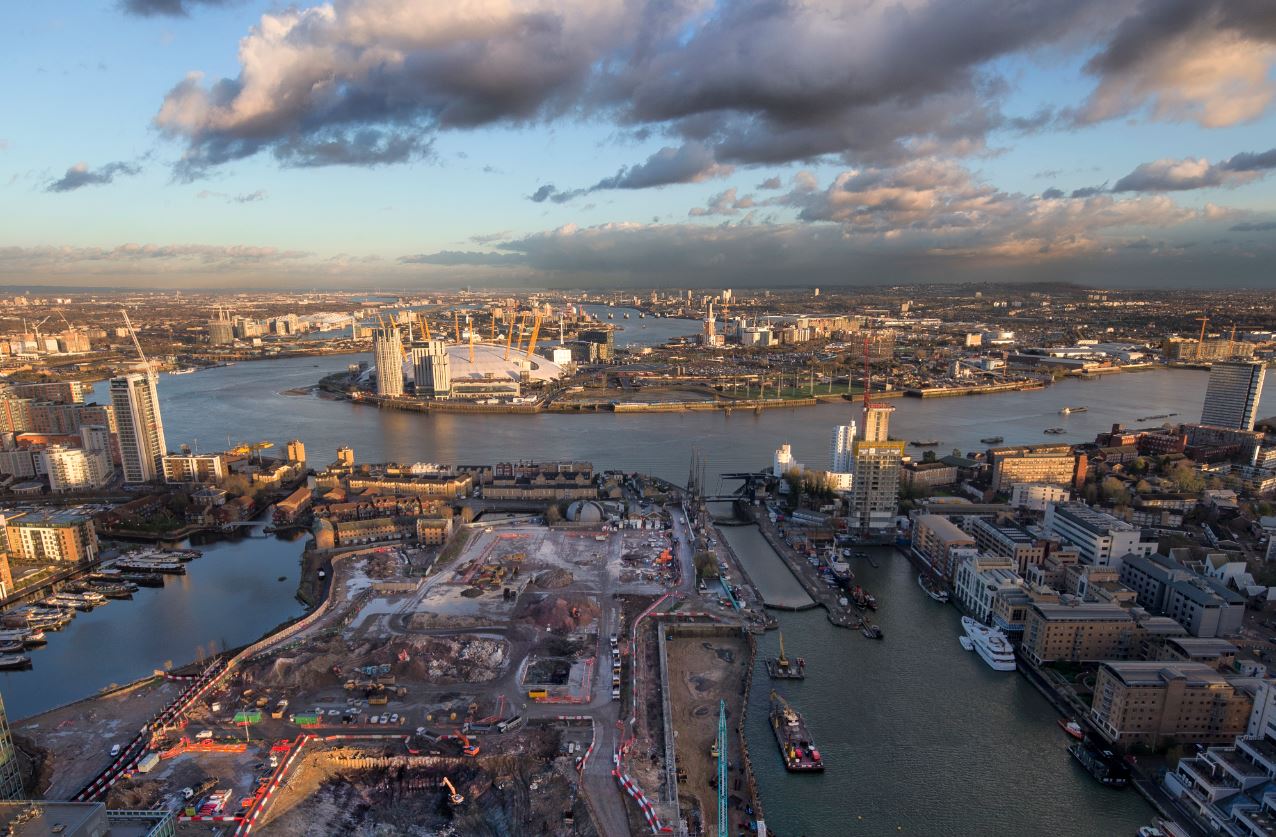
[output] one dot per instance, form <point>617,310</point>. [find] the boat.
<point>783,668</point>
<point>925,443</point>
<point>966,643</point>
<point>144,579</point>
<point>991,645</point>
<point>28,637</point>
<point>185,370</point>
<point>796,748</point>
<point>871,631</point>
<point>1067,411</point>
<point>993,440</point>
<point>871,601</point>
<point>14,661</point>
<point>1071,727</point>
<point>1054,431</point>
<point>1153,418</point>
<point>932,589</point>
<point>1104,765</point>
<point>626,315</point>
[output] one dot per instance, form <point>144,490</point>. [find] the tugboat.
<point>796,748</point>
<point>1072,728</point>
<point>1104,765</point>
<point>993,440</point>
<point>782,668</point>
<point>872,631</point>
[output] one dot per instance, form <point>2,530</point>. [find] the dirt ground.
<point>505,795</point>
<point>703,670</point>
<point>76,739</point>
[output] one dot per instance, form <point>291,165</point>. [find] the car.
<point>334,712</point>
<point>615,693</point>
<point>372,719</point>
<point>203,734</point>
<point>394,719</point>
<point>115,750</point>
<point>385,719</point>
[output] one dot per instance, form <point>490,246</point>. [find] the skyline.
<point>198,143</point>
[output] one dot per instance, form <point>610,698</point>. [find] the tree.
<point>928,456</point>
<point>1114,491</point>
<point>1187,478</point>
<point>706,565</point>
<point>553,514</point>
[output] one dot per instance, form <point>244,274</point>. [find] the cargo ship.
<point>1070,410</point>
<point>796,748</point>
<point>1104,765</point>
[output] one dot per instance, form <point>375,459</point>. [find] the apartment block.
<point>64,536</point>
<point>1076,632</point>
<point>1100,538</point>
<point>936,540</point>
<point>1156,703</point>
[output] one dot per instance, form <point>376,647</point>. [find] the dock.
<point>823,595</point>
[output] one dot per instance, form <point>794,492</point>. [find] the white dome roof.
<point>489,360</point>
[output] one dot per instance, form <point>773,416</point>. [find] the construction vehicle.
<point>467,746</point>
<point>453,795</point>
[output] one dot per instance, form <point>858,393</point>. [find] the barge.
<point>796,748</point>
<point>782,668</point>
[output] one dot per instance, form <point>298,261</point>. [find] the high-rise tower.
<point>387,350</point>
<point>139,427</point>
<point>1231,398</point>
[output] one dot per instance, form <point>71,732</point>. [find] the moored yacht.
<point>990,644</point>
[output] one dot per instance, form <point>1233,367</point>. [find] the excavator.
<point>453,795</point>
<point>467,746</point>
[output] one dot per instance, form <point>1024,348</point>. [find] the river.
<point>231,596</point>
<point>918,734</point>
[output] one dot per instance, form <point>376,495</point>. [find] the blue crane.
<point>722,768</point>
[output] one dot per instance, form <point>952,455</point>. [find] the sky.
<point>614,143</point>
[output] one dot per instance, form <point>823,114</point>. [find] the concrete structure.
<point>940,543</point>
<point>1009,540</point>
<point>1035,496</point>
<point>783,462</point>
<point>1076,632</point>
<point>1155,703</point>
<point>43,817</point>
<point>387,351</point>
<point>874,497</point>
<point>1233,393</point>
<point>295,451</point>
<point>63,536</point>
<point>139,427</point>
<point>193,468</point>
<point>76,469</point>
<point>923,476</point>
<point>1100,538</point>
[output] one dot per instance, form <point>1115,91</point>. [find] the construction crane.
<point>454,796</point>
<point>509,341</point>
<point>1200,341</point>
<point>456,326</point>
<point>425,329</point>
<point>469,326</point>
<point>722,769</point>
<point>536,330</point>
<point>137,344</point>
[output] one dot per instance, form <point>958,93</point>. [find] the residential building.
<point>57,392</point>
<point>76,469</point>
<point>1049,464</point>
<point>193,468</point>
<point>295,451</point>
<point>923,476</point>
<point>978,579</point>
<point>433,531</point>
<point>1076,632</point>
<point>1205,607</point>
<point>939,543</point>
<point>290,508</point>
<point>1155,703</point>
<point>1009,540</point>
<point>1100,538</point>
<point>431,369</point>
<point>1233,393</point>
<point>387,350</point>
<point>604,339</point>
<point>841,459</point>
<point>783,462</point>
<point>1035,496</point>
<point>1196,350</point>
<point>63,536</point>
<point>139,427</point>
<point>874,497</point>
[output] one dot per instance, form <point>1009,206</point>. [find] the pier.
<point>823,595</point>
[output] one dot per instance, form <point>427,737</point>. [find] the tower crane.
<point>137,344</point>
<point>1200,341</point>
<point>536,330</point>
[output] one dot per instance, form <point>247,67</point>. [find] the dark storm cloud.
<point>456,258</point>
<point>168,8</point>
<point>1254,226</point>
<point>80,175</point>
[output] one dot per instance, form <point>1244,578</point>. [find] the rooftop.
<point>1154,673</point>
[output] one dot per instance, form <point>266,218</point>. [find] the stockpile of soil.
<point>561,613</point>
<point>553,579</point>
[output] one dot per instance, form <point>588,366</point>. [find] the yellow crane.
<point>509,340</point>
<point>1200,341</point>
<point>425,329</point>
<point>456,326</point>
<point>469,326</point>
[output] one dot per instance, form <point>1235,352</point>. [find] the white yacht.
<point>991,645</point>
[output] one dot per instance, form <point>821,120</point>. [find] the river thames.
<point>918,734</point>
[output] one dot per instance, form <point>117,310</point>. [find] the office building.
<point>1049,464</point>
<point>1035,496</point>
<point>1101,539</point>
<point>139,427</point>
<point>979,578</point>
<point>1233,393</point>
<point>295,451</point>
<point>76,469</point>
<point>431,369</point>
<point>63,536</point>
<point>1205,606</point>
<point>10,771</point>
<point>387,350</point>
<point>1155,703</point>
<point>1011,541</point>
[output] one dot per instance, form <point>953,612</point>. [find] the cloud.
<point>1254,226</point>
<point>1088,191</point>
<point>80,175</point>
<point>1204,61</point>
<point>167,8</point>
<point>370,82</point>
<point>243,197</point>
<point>134,259</point>
<point>489,238</point>
<point>455,258</point>
<point>1052,194</point>
<point>1198,173</point>
<point>771,183</point>
<point>724,203</point>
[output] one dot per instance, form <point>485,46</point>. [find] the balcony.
<point>1210,781</point>
<point>1262,751</point>
<point>1239,765</point>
